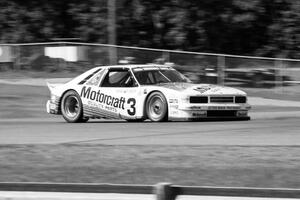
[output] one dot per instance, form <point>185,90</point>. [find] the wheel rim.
<point>71,106</point>
<point>156,107</point>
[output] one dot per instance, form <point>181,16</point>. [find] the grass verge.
<point>252,166</point>
<point>19,101</point>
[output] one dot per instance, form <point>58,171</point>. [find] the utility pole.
<point>111,29</point>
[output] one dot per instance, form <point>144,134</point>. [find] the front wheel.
<point>157,107</point>
<point>71,107</point>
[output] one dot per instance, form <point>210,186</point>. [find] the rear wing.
<point>53,86</point>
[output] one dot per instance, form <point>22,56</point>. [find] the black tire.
<point>135,120</point>
<point>157,107</point>
<point>83,120</point>
<point>71,107</point>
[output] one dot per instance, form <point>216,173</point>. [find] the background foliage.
<point>257,27</point>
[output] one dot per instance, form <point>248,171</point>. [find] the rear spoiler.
<point>54,83</point>
<point>52,86</point>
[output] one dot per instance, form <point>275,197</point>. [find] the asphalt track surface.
<point>54,130</point>
<point>280,126</point>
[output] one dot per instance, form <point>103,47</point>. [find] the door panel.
<point>117,99</point>
<point>110,102</point>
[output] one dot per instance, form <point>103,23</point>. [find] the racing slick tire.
<point>157,107</point>
<point>135,120</point>
<point>71,107</point>
<point>83,120</point>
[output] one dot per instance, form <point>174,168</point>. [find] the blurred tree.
<point>134,23</point>
<point>283,31</point>
<point>89,19</point>
<point>153,23</point>
<point>35,20</point>
<point>257,27</point>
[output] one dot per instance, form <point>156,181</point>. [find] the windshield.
<point>156,76</point>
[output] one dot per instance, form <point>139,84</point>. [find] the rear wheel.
<point>157,107</point>
<point>71,107</point>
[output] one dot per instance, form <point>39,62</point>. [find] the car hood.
<point>204,89</point>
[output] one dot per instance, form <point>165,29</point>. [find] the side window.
<point>88,77</point>
<point>160,78</point>
<point>95,79</point>
<point>151,78</point>
<point>118,78</point>
<point>145,77</point>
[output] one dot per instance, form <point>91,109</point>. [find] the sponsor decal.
<point>199,114</point>
<point>223,107</point>
<point>52,106</point>
<point>216,89</point>
<point>102,98</point>
<point>174,112</point>
<point>126,91</point>
<point>110,103</point>
<point>202,89</point>
<point>101,106</point>
<point>242,113</point>
<point>233,107</point>
<point>196,107</point>
<point>173,100</point>
<point>216,107</point>
<point>174,106</point>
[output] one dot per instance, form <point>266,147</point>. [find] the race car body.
<point>139,92</point>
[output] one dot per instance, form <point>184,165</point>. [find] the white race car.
<point>140,92</point>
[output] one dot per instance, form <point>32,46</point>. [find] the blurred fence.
<point>283,75</point>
